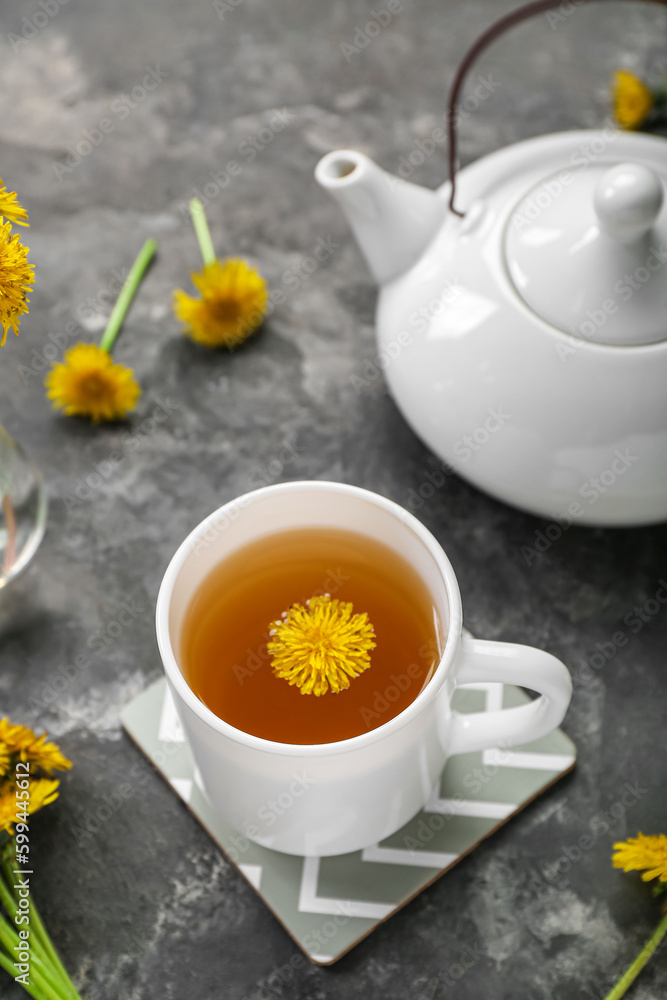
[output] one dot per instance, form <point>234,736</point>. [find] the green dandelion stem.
<point>202,231</point>
<point>7,900</point>
<point>46,944</point>
<point>642,958</point>
<point>41,946</point>
<point>42,983</point>
<point>127,292</point>
<point>30,989</point>
<point>41,974</point>
<point>46,969</point>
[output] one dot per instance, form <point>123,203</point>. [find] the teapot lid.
<point>586,250</point>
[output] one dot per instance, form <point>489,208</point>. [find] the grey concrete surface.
<point>146,907</point>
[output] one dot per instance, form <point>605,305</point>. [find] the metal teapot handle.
<point>491,33</point>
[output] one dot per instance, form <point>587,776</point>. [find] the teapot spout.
<point>392,219</point>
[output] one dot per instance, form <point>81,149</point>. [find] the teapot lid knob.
<point>628,199</point>
<point>580,244</point>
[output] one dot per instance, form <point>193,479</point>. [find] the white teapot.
<point>525,337</point>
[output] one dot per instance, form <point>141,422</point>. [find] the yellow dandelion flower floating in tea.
<point>633,100</point>
<point>88,384</point>
<point>233,294</point>
<point>16,279</point>
<point>647,854</point>
<point>10,208</point>
<point>321,645</point>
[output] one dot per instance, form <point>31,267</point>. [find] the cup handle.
<point>509,663</point>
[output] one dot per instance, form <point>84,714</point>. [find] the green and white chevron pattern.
<point>329,904</point>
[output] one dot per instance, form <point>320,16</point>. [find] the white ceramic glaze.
<point>569,246</point>
<point>393,219</point>
<point>536,381</point>
<point>339,797</point>
<point>628,199</point>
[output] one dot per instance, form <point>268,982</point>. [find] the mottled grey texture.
<point>147,908</point>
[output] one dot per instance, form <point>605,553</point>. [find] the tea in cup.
<point>311,634</point>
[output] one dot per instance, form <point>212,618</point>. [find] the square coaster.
<point>329,904</point>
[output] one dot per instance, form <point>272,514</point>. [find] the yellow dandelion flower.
<point>13,736</point>
<point>232,304</point>
<point>41,753</point>
<point>16,279</point>
<point>632,99</point>
<point>645,854</point>
<point>43,792</point>
<point>321,645</point>
<point>233,295</point>
<point>7,809</point>
<point>10,208</point>
<point>44,755</point>
<point>89,384</point>
<point>4,759</point>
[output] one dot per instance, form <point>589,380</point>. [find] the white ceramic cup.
<point>332,798</point>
